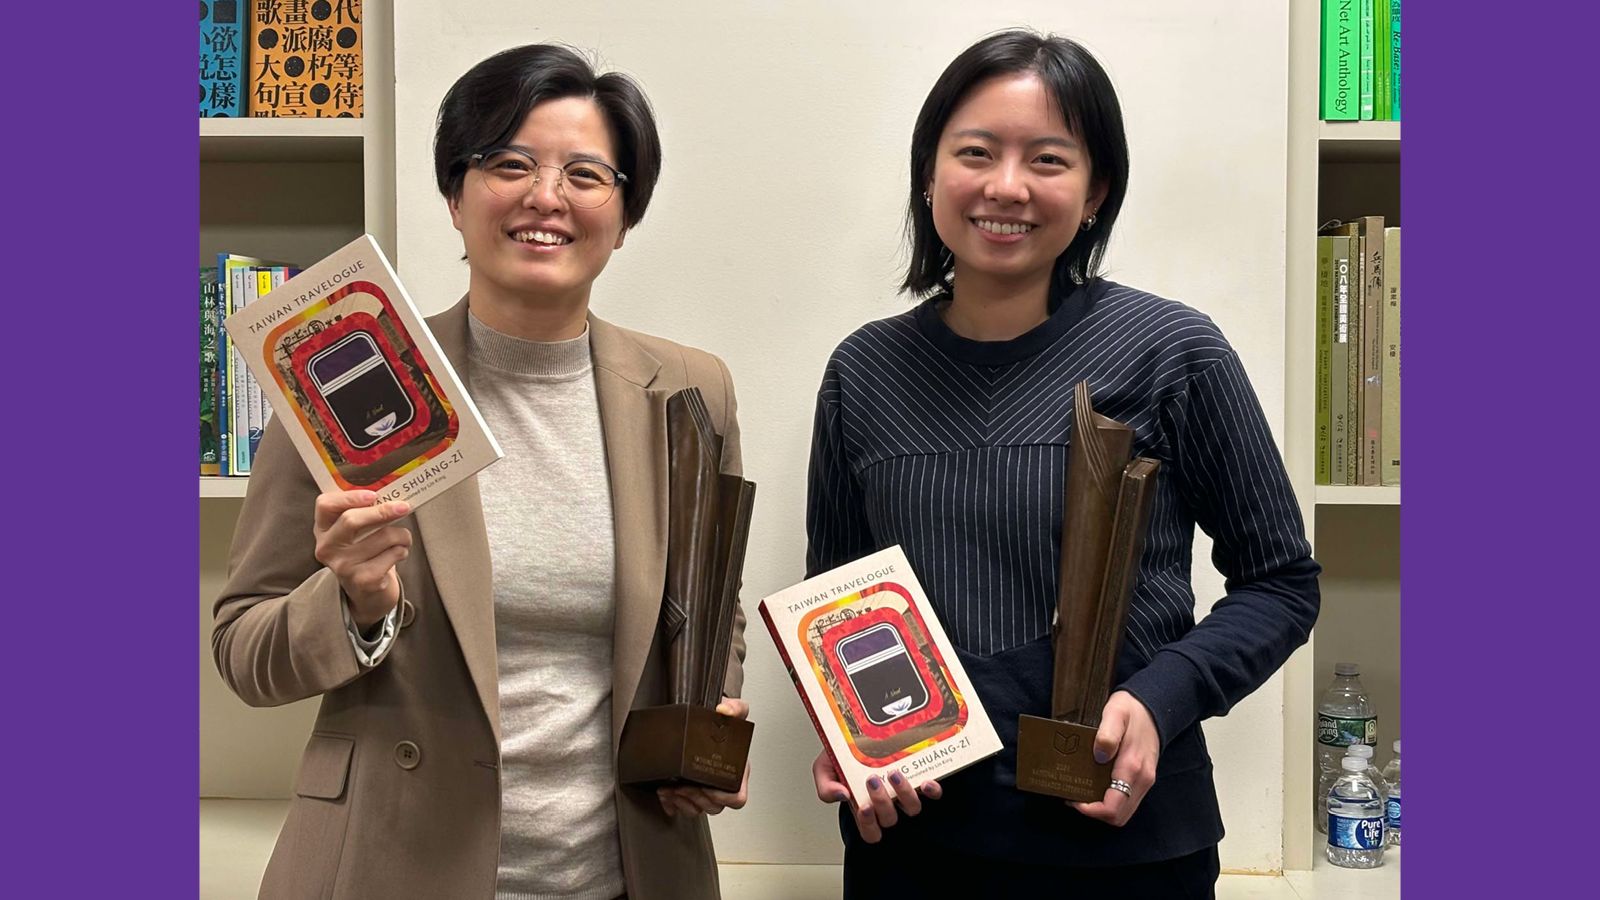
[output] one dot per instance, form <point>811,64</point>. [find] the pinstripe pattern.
<point>956,450</point>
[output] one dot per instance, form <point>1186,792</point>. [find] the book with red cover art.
<point>876,672</point>
<point>366,395</point>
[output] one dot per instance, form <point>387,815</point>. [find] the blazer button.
<point>407,613</point>
<point>407,755</point>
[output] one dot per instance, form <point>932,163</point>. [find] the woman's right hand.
<point>363,562</point>
<point>881,813</point>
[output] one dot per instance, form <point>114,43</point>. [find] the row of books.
<point>1361,60</point>
<point>233,413</point>
<point>280,58</point>
<point>1358,353</point>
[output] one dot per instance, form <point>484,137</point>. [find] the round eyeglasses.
<point>512,173</point>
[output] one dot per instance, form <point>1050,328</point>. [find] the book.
<point>1390,473</point>
<point>238,393</point>
<point>1325,328</point>
<point>1341,48</point>
<point>305,59</point>
<point>221,59</point>
<point>1394,60</point>
<point>365,393</point>
<point>1351,318</point>
<point>1364,18</point>
<point>252,390</point>
<point>209,463</point>
<point>1339,360</point>
<point>876,673</point>
<point>1380,58</point>
<point>1372,298</point>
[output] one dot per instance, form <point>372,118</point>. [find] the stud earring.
<point>1088,223</point>
<point>927,199</point>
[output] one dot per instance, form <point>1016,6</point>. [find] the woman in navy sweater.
<point>945,430</point>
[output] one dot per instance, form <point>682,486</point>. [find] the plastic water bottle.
<point>1355,818</point>
<point>1391,774</point>
<point>1345,716</point>
<point>1365,752</point>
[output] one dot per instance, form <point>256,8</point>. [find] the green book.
<point>1391,358</point>
<point>1342,264</point>
<point>1340,47</point>
<point>1394,60</point>
<point>209,464</point>
<point>1365,19</point>
<point>1380,59</point>
<point>1325,326</point>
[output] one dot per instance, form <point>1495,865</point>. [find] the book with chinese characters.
<point>877,674</point>
<point>221,59</point>
<point>305,59</point>
<point>349,367</point>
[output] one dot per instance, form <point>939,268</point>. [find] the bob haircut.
<point>487,105</point>
<point>1089,107</point>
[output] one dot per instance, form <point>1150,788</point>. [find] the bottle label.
<point>1391,812</point>
<point>1352,833</point>
<point>1335,731</point>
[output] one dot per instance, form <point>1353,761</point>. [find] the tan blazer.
<point>398,791</point>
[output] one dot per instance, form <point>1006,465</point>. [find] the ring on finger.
<point>1117,784</point>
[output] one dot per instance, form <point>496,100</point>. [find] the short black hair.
<point>486,106</point>
<point>1088,104</point>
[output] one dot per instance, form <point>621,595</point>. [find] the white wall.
<point>813,103</point>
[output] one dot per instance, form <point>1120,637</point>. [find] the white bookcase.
<point>1336,170</point>
<point>294,190</point>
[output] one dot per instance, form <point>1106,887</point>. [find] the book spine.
<point>1325,326</point>
<point>219,383</point>
<point>310,67</point>
<point>209,327</point>
<point>1372,350</point>
<point>1365,21</point>
<point>221,60</point>
<point>1380,59</point>
<point>1338,361</point>
<point>1391,359</point>
<point>1358,277</point>
<point>1340,46</point>
<point>252,387</point>
<point>805,699</point>
<point>238,396</point>
<point>1394,60</point>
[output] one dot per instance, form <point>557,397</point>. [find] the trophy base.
<point>684,744</point>
<point>1057,758</point>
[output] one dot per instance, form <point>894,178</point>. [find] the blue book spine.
<point>221,58</point>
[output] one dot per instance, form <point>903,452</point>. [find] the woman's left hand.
<point>1128,737</point>
<point>692,801</point>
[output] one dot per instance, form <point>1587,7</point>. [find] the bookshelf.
<point>1336,170</point>
<point>293,190</point>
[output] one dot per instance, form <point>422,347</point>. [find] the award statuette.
<point>1102,536</point>
<point>708,525</point>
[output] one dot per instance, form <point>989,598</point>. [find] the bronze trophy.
<point>1102,535</point>
<point>708,525</point>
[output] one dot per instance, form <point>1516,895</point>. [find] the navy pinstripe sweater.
<point>956,450</point>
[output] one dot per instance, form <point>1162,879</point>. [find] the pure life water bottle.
<point>1355,818</point>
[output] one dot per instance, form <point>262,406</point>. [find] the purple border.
<point>1495,294</point>
<point>102,753</point>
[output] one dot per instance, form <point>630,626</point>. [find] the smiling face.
<point>540,248</point>
<point>1011,183</point>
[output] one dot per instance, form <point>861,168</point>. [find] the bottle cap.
<point>1397,746</point>
<point>1360,751</point>
<point>1353,764</point>
<point>1346,669</point>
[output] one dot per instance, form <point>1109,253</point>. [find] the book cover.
<point>1364,17</point>
<point>305,59</point>
<point>1391,360</point>
<point>365,393</point>
<point>1394,60</point>
<point>221,59</point>
<point>877,674</point>
<point>1372,299</point>
<point>238,392</point>
<point>1325,328</point>
<point>1340,51</point>
<point>1380,59</point>
<point>209,463</point>
<point>1339,361</point>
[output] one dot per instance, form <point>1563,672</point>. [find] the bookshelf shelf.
<point>1359,141</point>
<point>1347,495</point>
<point>229,486</point>
<point>281,140</point>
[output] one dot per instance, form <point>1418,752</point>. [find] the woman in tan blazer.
<point>477,660</point>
